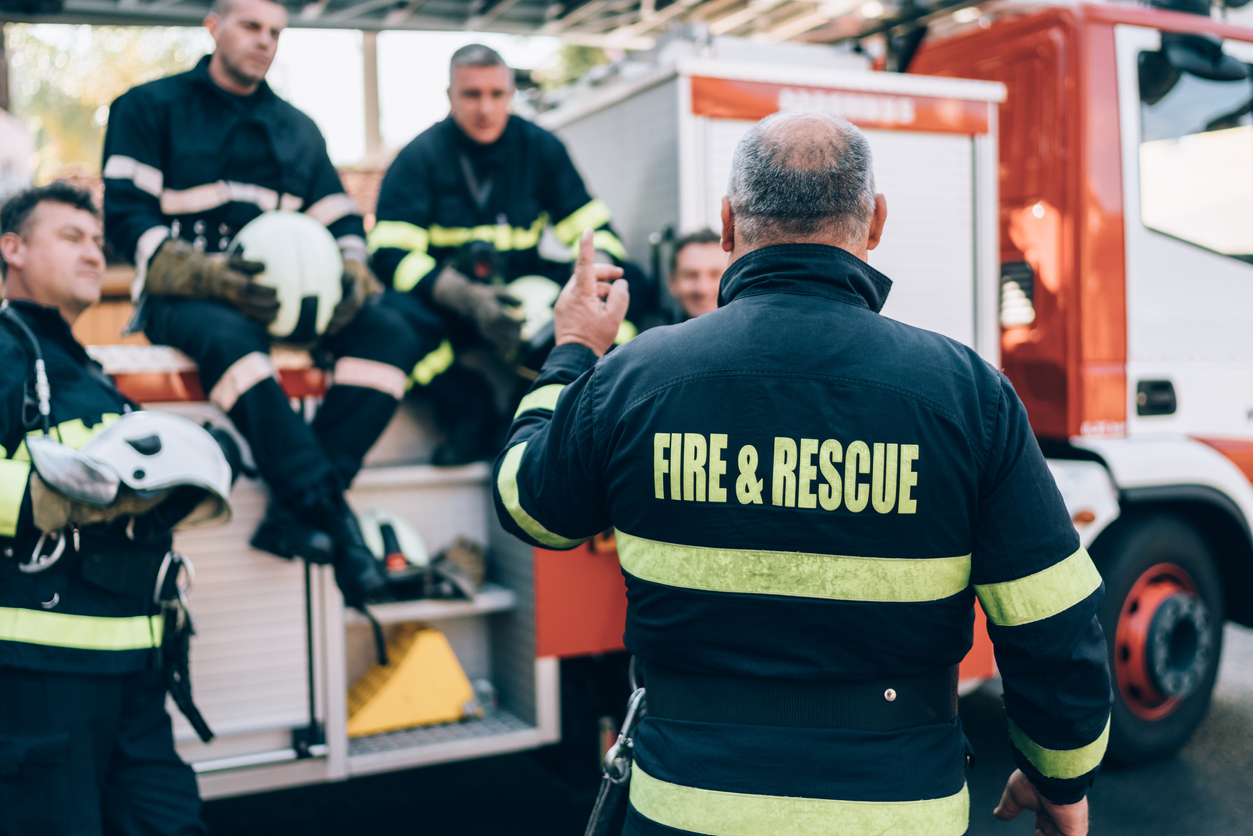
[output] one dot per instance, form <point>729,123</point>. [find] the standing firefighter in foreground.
<point>808,497</point>
<point>189,160</point>
<point>462,210</point>
<point>87,633</point>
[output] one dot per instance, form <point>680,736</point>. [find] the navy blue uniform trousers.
<point>82,755</point>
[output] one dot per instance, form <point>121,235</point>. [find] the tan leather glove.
<point>359,285</point>
<point>488,306</point>
<point>53,512</point>
<point>179,269</point>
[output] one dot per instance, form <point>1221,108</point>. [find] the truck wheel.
<point>1163,619</point>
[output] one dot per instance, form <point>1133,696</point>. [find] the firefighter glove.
<point>179,269</point>
<point>489,306</point>
<point>359,285</point>
<point>53,512</point>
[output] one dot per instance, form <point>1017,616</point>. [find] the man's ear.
<point>212,22</point>
<point>728,226</point>
<point>11,249</point>
<point>877,221</point>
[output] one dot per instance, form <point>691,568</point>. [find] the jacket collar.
<point>48,323</point>
<point>200,75</point>
<point>813,269</point>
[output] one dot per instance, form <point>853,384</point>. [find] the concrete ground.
<point>1206,789</point>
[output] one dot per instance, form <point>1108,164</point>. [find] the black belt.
<point>884,705</point>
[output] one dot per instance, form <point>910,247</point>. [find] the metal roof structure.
<point>629,24</point>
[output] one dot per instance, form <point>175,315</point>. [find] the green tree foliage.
<point>64,78</point>
<point>573,62</point>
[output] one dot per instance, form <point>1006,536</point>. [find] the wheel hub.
<point>1179,644</point>
<point>1164,642</point>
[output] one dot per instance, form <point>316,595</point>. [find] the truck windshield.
<point>1196,163</point>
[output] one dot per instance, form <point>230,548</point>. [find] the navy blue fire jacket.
<point>54,620</point>
<point>804,489</point>
<point>426,210</point>
<point>183,157</point>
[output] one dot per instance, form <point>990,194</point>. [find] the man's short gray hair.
<point>475,55</point>
<point>787,181</point>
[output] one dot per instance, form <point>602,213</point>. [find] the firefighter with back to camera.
<point>191,159</point>
<point>462,211</point>
<point>92,631</point>
<point>808,498</point>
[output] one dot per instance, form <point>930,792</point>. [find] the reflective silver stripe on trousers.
<point>243,374</point>
<point>370,374</point>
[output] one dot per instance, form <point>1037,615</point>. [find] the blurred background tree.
<point>573,62</point>
<point>63,79</point>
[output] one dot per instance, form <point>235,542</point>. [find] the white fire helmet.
<point>393,541</point>
<point>147,452</point>
<point>303,263</point>
<point>537,294</point>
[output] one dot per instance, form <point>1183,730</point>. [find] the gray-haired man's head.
<point>475,55</point>
<point>480,89</point>
<point>802,176</point>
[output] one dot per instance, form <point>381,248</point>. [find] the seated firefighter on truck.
<point>92,631</point>
<point>463,210</point>
<point>807,498</point>
<point>190,160</point>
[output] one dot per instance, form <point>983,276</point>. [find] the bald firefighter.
<point>808,499</point>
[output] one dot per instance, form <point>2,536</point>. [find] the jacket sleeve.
<point>547,484</point>
<point>572,208</point>
<point>1041,592</point>
<point>134,158</point>
<point>328,203</point>
<point>14,467</point>
<point>401,235</point>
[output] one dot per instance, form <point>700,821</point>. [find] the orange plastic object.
<point>979,663</point>
<point>580,602</point>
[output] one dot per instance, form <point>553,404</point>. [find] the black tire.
<point>1123,555</point>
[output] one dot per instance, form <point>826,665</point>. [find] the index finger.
<point>585,265</point>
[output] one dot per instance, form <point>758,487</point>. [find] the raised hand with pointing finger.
<point>593,303</point>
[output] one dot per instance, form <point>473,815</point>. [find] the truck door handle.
<point>1155,397</point>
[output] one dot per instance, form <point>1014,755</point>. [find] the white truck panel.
<point>1148,461</point>
<point>1189,310</point>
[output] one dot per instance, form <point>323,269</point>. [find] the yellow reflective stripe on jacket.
<point>544,397</point>
<point>86,632</point>
<point>830,576</point>
<point>1046,593</point>
<point>1060,763</point>
<point>626,332</point>
<point>605,241</point>
<point>13,478</point>
<point>74,434</point>
<point>398,234</point>
<point>507,484</point>
<point>502,236</point>
<point>718,813</point>
<point>588,216</point>
<point>432,365</point>
<point>410,271</point>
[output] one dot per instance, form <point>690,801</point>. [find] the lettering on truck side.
<point>804,473</point>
